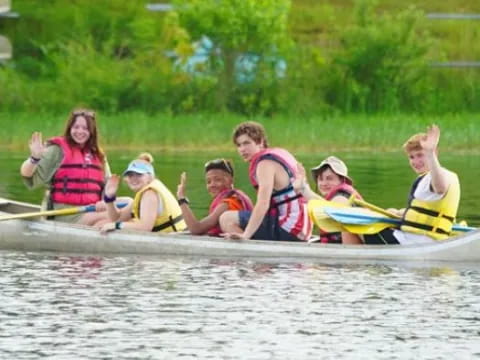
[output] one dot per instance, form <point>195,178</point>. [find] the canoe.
<point>53,236</point>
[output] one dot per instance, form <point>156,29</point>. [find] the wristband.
<point>34,160</point>
<point>183,201</point>
<point>108,199</point>
<point>118,225</point>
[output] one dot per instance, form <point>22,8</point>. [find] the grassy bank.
<point>213,132</point>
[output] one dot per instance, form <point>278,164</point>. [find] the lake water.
<point>129,307</point>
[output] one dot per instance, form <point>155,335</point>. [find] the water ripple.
<point>132,307</point>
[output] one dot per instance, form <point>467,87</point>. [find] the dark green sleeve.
<point>46,168</point>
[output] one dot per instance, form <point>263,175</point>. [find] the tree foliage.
<point>236,27</point>
<point>383,57</point>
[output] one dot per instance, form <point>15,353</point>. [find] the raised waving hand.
<point>430,141</point>
<point>36,145</point>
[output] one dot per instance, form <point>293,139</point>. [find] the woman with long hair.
<point>72,167</point>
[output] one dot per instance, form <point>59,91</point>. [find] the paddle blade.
<point>366,229</point>
<point>316,211</point>
<point>358,216</point>
<point>328,225</point>
<point>322,220</point>
<point>315,208</point>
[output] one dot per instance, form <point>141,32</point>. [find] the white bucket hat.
<point>337,166</point>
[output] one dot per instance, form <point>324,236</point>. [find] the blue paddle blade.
<point>356,216</point>
<point>462,228</point>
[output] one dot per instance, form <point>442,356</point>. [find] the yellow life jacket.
<point>171,219</point>
<point>433,218</point>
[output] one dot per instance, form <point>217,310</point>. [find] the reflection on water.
<point>133,307</point>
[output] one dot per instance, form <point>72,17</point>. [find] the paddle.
<point>363,203</point>
<point>456,227</point>
<point>323,221</point>
<point>359,216</point>
<point>59,212</point>
<point>320,218</point>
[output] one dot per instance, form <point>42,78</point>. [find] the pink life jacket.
<point>227,193</point>
<point>281,156</point>
<point>286,204</point>
<point>342,189</point>
<point>80,179</point>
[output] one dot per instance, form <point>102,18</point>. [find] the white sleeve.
<point>424,191</point>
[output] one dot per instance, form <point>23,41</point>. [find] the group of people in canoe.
<point>75,171</point>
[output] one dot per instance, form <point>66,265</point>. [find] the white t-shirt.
<point>425,193</point>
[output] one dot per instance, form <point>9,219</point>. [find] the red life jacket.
<point>286,204</point>
<point>227,193</point>
<point>347,191</point>
<point>80,179</point>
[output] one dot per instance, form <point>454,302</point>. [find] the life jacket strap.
<point>81,166</point>
<point>284,201</point>
<point>76,191</point>
<point>77,181</point>
<point>432,213</point>
<point>169,223</point>
<point>424,227</point>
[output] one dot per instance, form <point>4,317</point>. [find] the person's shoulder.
<point>450,175</point>
<point>266,160</point>
<point>53,152</point>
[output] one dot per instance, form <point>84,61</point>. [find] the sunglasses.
<point>219,164</point>
<point>84,113</point>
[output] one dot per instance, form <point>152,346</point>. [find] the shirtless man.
<point>279,213</point>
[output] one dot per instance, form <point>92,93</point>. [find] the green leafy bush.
<point>382,62</point>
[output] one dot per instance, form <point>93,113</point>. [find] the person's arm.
<point>440,181</point>
<point>37,149</point>
<point>308,193</point>
<point>195,226</point>
<point>265,177</point>
<point>200,227</point>
<point>148,214</point>
<point>107,172</point>
<point>398,212</point>
<point>301,186</point>
<point>42,171</point>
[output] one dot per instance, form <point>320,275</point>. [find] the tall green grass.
<point>203,132</point>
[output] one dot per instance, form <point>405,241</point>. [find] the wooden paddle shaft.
<point>363,203</point>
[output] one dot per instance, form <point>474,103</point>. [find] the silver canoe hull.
<point>51,236</point>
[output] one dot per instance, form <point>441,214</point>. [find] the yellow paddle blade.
<point>328,225</point>
<point>320,218</point>
<point>315,207</point>
<point>367,228</point>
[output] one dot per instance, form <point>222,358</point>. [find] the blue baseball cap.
<point>139,167</point>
